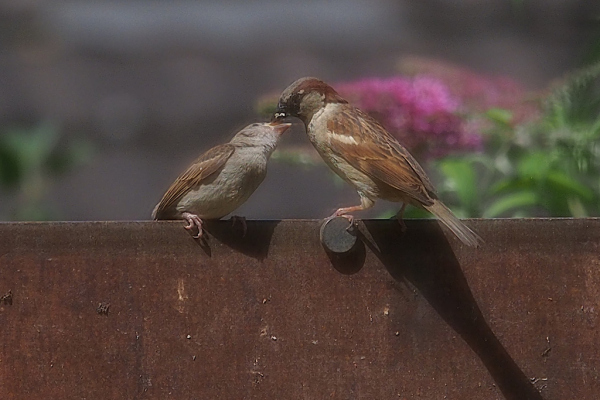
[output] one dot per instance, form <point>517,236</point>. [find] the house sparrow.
<point>359,149</point>
<point>221,179</point>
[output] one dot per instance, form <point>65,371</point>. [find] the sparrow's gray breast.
<point>228,189</point>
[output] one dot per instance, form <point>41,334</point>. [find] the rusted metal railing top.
<point>140,309</point>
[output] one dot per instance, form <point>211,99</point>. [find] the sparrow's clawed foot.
<point>193,221</point>
<point>342,212</point>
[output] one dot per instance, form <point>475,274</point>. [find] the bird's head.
<point>304,98</point>
<point>261,135</point>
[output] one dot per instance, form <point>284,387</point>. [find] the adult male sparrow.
<point>359,149</point>
<point>223,178</point>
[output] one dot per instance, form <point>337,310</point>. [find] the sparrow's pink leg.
<point>193,221</point>
<point>400,218</point>
<point>242,220</point>
<point>365,203</point>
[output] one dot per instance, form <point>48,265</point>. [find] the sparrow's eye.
<point>296,97</point>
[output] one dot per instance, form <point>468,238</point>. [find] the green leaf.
<point>387,214</point>
<point>415,212</point>
<point>513,201</point>
<point>567,186</point>
<point>510,185</point>
<point>10,168</point>
<point>534,166</point>
<point>461,179</point>
<point>31,146</point>
<point>500,116</point>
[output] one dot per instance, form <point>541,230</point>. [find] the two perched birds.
<point>353,144</point>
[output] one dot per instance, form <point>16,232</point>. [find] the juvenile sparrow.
<point>359,149</point>
<point>223,178</point>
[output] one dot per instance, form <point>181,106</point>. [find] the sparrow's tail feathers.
<point>156,213</point>
<point>462,231</point>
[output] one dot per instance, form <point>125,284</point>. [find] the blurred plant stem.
<point>29,159</point>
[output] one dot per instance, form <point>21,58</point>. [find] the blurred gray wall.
<point>152,84</point>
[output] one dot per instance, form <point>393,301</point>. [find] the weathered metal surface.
<point>338,235</point>
<point>108,310</point>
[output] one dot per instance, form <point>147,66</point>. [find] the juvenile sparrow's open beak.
<point>279,126</point>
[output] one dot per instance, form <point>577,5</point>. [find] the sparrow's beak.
<point>279,113</point>
<point>279,126</point>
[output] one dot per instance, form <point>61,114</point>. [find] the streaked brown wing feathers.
<point>206,165</point>
<point>381,157</point>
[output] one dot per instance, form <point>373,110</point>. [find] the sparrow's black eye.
<point>293,104</point>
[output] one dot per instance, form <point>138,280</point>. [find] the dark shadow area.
<point>255,242</point>
<point>424,257</point>
<point>350,262</point>
<point>342,245</point>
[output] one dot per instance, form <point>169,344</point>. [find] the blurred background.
<point>104,103</point>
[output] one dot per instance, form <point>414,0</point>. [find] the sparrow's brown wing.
<point>206,165</point>
<point>368,147</point>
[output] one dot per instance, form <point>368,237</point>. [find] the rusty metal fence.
<point>112,310</point>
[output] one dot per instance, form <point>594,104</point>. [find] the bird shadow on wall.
<point>254,242</point>
<point>425,258</point>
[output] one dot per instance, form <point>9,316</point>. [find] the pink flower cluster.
<point>478,92</point>
<point>421,112</point>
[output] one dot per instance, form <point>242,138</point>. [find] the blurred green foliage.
<point>29,159</point>
<point>550,167</point>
